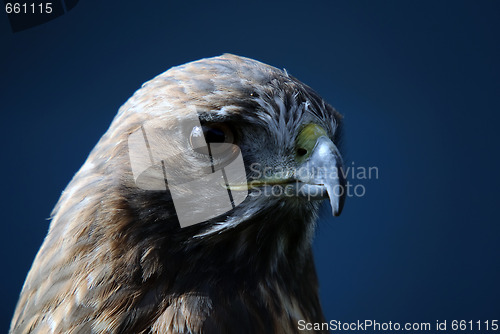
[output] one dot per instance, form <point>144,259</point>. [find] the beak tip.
<point>337,203</point>
<point>337,212</point>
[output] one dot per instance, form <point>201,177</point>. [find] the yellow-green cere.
<point>306,141</point>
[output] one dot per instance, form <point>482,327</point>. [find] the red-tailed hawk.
<point>138,244</point>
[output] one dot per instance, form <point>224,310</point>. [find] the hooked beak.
<point>321,175</point>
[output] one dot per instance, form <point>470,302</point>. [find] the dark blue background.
<point>417,81</point>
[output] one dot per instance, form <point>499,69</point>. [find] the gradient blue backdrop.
<point>417,81</point>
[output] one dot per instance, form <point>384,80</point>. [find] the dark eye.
<point>217,135</point>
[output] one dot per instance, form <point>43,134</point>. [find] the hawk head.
<point>264,146</point>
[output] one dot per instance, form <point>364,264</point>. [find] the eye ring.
<point>216,135</point>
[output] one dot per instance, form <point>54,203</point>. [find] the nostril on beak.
<point>301,152</point>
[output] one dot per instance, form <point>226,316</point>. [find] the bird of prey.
<point>119,259</point>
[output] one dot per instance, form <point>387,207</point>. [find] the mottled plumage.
<point>115,259</point>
